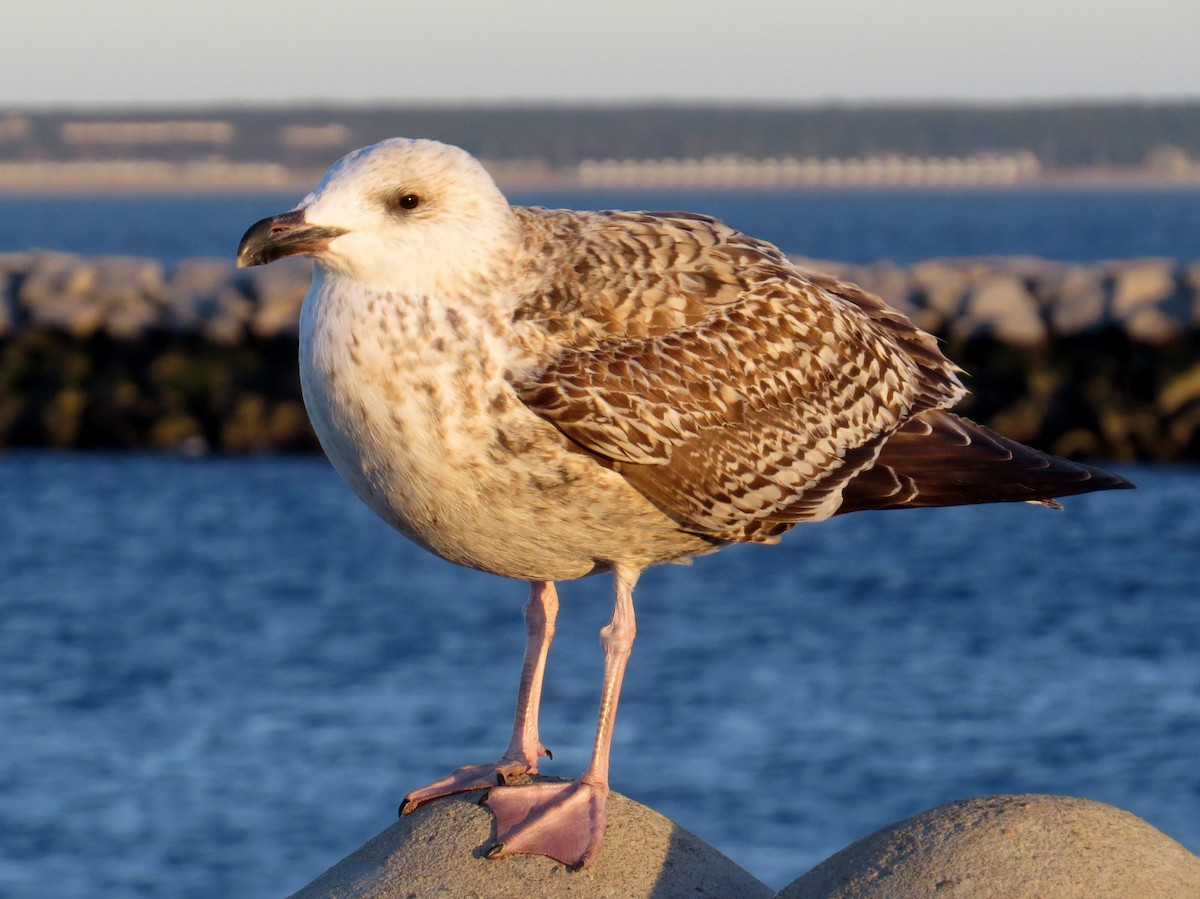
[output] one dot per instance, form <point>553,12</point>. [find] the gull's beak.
<point>278,236</point>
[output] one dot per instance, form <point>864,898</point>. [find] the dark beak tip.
<point>252,247</point>
<point>278,236</point>
<point>249,254</point>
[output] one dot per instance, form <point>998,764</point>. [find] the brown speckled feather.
<point>736,392</point>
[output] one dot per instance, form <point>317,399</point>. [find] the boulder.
<point>1000,307</point>
<point>1191,280</point>
<point>439,849</point>
<point>121,295</point>
<point>130,293</point>
<point>1148,300</point>
<point>278,291</point>
<point>1009,847</point>
<point>202,299</point>
<point>941,287</point>
<point>193,291</point>
<point>1078,304</point>
<point>1179,407</point>
<point>892,282</point>
<point>13,267</point>
<point>56,294</point>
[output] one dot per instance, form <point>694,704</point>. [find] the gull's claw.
<point>468,777</point>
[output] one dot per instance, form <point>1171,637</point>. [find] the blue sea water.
<point>845,225</point>
<point>218,676</point>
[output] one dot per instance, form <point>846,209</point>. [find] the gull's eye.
<point>405,200</point>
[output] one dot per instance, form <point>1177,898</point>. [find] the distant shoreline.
<point>239,149</point>
<point>46,178</point>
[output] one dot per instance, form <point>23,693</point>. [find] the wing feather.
<point>736,392</point>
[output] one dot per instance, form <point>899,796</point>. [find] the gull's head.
<point>410,214</point>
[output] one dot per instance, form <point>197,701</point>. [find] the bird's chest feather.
<point>409,400</point>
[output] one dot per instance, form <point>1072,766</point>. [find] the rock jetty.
<point>1098,361</point>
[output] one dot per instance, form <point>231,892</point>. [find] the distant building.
<point>739,171</point>
<point>138,139</point>
<point>314,137</point>
<point>132,133</point>
<point>15,129</point>
<point>1169,161</point>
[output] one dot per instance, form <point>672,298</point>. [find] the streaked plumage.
<point>735,392</point>
<point>547,393</point>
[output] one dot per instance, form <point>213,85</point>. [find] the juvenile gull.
<point>547,394</point>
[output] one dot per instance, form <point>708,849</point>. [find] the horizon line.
<point>915,102</point>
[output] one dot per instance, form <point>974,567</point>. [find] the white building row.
<point>738,171</point>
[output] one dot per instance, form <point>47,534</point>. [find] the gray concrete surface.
<point>1009,847</point>
<point>438,851</point>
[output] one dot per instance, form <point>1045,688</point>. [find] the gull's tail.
<point>941,459</point>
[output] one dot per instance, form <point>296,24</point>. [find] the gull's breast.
<point>410,403</point>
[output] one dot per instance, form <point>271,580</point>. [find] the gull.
<point>548,394</point>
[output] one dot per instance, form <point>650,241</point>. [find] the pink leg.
<point>524,749</point>
<point>566,821</point>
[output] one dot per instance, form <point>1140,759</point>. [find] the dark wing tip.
<point>941,459</point>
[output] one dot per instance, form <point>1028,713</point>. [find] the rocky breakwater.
<point>1097,361</point>
<point>120,352</point>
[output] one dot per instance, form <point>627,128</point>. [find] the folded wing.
<point>734,391</point>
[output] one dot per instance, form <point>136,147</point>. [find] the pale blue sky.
<point>157,51</point>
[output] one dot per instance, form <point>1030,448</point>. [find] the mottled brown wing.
<point>622,275</point>
<point>735,392</point>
